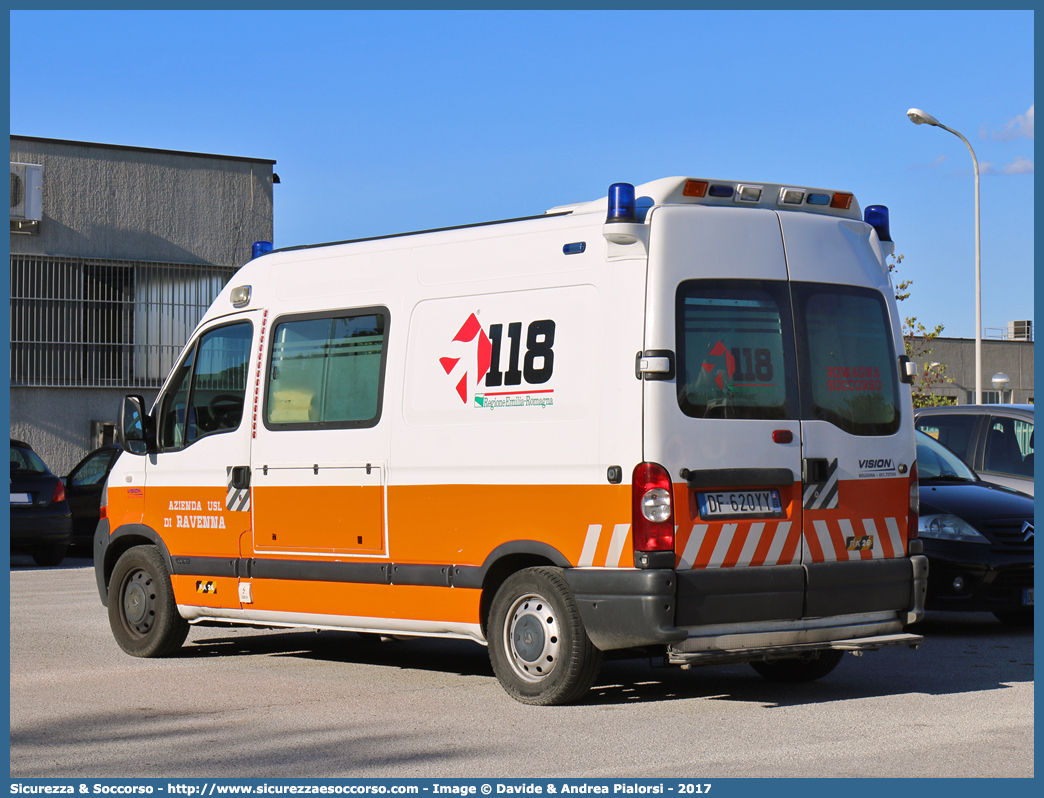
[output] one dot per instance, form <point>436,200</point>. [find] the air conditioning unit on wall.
<point>26,192</point>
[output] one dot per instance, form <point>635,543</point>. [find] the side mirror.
<point>134,427</point>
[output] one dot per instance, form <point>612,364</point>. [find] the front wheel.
<point>538,646</point>
<point>800,669</point>
<point>143,615</point>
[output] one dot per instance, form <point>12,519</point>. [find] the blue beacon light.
<point>621,203</point>
<point>260,248</point>
<point>877,217</point>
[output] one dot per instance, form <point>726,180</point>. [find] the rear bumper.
<point>624,608</point>
<point>40,528</point>
<point>779,639</point>
<point>990,582</point>
<point>753,610</point>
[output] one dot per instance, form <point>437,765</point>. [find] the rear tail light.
<point>59,492</point>
<point>915,505</point>
<point>652,508</point>
<point>103,510</point>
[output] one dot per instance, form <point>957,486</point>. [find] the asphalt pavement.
<point>248,703</point>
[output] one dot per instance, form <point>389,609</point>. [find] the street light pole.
<point>919,117</point>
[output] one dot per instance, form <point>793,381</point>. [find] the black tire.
<point>1015,617</point>
<point>50,555</point>
<point>143,615</point>
<point>805,669</point>
<point>539,649</point>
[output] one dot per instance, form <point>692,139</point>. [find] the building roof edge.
<point>140,149</point>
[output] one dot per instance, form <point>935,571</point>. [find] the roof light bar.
<point>695,188</point>
<point>791,196</point>
<point>748,194</point>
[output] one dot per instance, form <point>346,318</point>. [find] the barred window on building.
<point>81,322</point>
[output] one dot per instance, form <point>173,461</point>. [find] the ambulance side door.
<point>197,495</point>
<point>320,454</point>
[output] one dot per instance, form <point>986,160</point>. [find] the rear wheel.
<point>539,649</point>
<point>1015,617</point>
<point>142,612</point>
<point>800,669</point>
<point>50,555</point>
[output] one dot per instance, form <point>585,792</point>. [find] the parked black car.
<point>978,538</point>
<point>83,489</point>
<point>41,522</point>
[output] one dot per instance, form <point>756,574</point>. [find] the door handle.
<point>240,477</point>
<point>815,469</point>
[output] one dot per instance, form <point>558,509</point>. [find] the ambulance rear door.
<point>857,445</point>
<point>723,418</point>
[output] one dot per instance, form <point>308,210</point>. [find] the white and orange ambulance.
<point>675,419</point>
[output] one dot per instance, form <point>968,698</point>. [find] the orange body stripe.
<point>326,518</point>
<point>224,593</point>
<point>837,540</point>
<point>193,521</point>
<point>462,524</point>
<point>733,554</point>
<point>454,605</point>
<point>790,548</point>
<point>886,540</point>
<point>126,506</point>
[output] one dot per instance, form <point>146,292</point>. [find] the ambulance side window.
<point>205,395</point>
<point>845,347</point>
<point>326,371</point>
<point>735,349</point>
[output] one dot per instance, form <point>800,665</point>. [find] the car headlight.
<point>945,526</point>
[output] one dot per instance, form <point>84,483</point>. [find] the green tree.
<point>918,339</point>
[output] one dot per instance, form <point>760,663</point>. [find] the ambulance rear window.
<point>735,350</point>
<point>846,345</point>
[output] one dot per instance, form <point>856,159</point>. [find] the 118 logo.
<point>534,366</point>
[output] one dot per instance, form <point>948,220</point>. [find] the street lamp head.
<point>919,117</point>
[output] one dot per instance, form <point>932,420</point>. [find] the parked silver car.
<point>995,440</point>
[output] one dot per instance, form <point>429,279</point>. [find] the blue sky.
<point>384,122</point>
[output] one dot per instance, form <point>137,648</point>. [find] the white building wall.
<point>136,204</point>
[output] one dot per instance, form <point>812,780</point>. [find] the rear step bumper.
<point>714,612</point>
<point>855,645</point>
